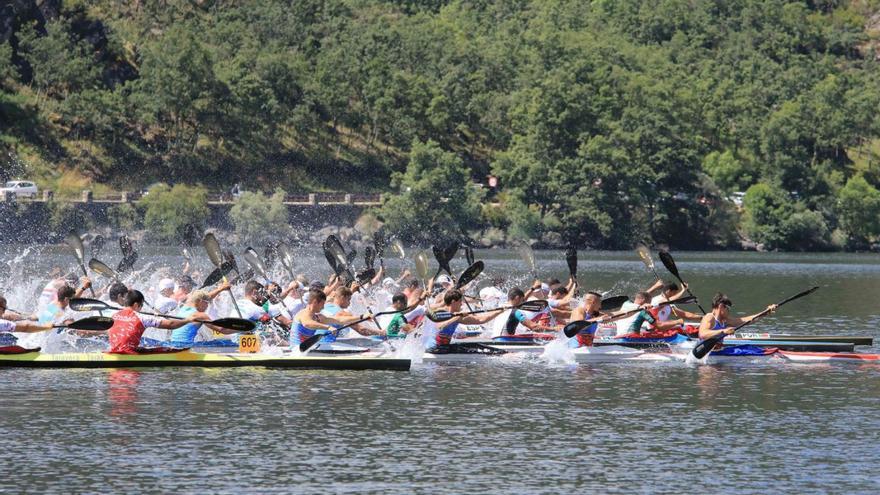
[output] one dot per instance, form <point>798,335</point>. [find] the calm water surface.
<point>518,426</point>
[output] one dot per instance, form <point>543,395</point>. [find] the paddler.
<point>670,312</point>
<point>165,301</point>
<point>441,333</point>
<point>589,310</point>
<point>197,303</point>
<point>719,320</point>
<point>309,321</point>
<point>255,305</point>
<point>58,312</point>
<point>514,317</point>
<point>402,323</point>
<point>129,326</point>
<point>337,307</point>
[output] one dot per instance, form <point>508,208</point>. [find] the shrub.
<point>167,210</point>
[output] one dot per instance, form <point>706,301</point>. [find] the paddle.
<point>613,302</point>
<point>270,254</point>
<point>528,256</point>
<point>444,254</point>
<point>285,254</point>
<point>705,347</point>
<point>469,255</point>
<point>212,246</point>
<point>397,248</point>
<point>336,256</point>
<point>307,344</point>
<point>370,256</point>
<point>421,262</point>
<point>253,259</point>
<point>191,236</point>
<point>96,245</point>
<point>350,257</point>
<point>571,257</point>
<point>469,274</point>
<point>237,324</point>
<point>534,306</point>
<point>76,244</point>
<point>102,269</point>
<point>669,263</point>
<point>93,323</point>
<point>218,274</point>
<point>129,255</point>
<point>379,244</point>
<point>576,327</point>
<point>645,254</point>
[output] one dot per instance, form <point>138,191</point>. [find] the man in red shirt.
<point>129,326</point>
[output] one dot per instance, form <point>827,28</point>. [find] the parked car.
<point>21,188</point>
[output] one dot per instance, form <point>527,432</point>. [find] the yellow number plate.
<point>248,343</point>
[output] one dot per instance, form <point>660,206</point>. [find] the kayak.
<point>489,353</point>
<point>779,355</point>
<point>842,339</point>
<point>196,359</point>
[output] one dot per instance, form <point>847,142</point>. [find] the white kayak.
<point>602,354</point>
<point>780,356</point>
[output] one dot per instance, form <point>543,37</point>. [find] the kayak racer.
<point>309,321</point>
<point>720,321</point>
<point>128,326</point>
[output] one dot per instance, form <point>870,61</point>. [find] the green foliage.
<point>436,197</point>
<point>258,217</point>
<point>167,210</point>
<point>124,217</point>
<point>65,217</point>
<point>607,121</point>
<point>858,207</point>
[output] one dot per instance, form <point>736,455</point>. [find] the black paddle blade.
<point>349,258</point>
<point>613,302</point>
<point>253,259</point>
<point>469,255</point>
<point>285,253</point>
<point>369,256</point>
<point>669,263</point>
<point>364,277</point>
<point>103,269</point>
<point>469,274</point>
<point>379,243</point>
<point>705,347</point>
<point>534,306</point>
<point>331,258</point>
<point>439,315</point>
<point>237,324</point>
<point>218,274</point>
<point>307,344</point>
<point>191,235</point>
<point>571,257</point>
<point>270,254</point>
<point>96,245</point>
<point>212,246</point>
<point>96,323</point>
<point>86,304</point>
<point>575,328</point>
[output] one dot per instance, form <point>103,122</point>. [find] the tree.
<point>435,196</point>
<point>60,65</point>
<point>258,217</point>
<point>858,207</point>
<point>169,209</point>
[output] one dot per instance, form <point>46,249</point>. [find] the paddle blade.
<point>469,274</point>
<point>350,257</point>
<point>126,247</point>
<point>571,257</point>
<point>95,323</point>
<point>422,265</point>
<point>705,346</point>
<point>439,315</point>
<point>451,250</point>
<point>645,255</point>
<point>218,274</point>
<point>212,247</point>
<point>379,243</point>
<point>76,244</point>
<point>397,248</point>
<point>366,276</point>
<point>237,324</point>
<point>127,264</point>
<point>369,256</point>
<point>534,306</point>
<point>96,245</point>
<point>798,296</point>
<point>330,256</point>
<point>469,255</point>
<point>253,259</point>
<point>307,344</point>
<point>101,268</point>
<point>528,256</point>
<point>191,235</point>
<point>86,304</point>
<point>270,254</point>
<point>285,254</point>
<point>614,302</point>
<point>669,263</point>
<point>575,328</point>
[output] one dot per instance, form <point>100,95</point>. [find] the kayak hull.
<point>201,360</point>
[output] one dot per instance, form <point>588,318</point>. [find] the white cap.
<point>389,281</point>
<point>166,283</point>
<point>545,288</point>
<point>444,279</point>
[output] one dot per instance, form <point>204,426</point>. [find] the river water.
<point>516,426</point>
